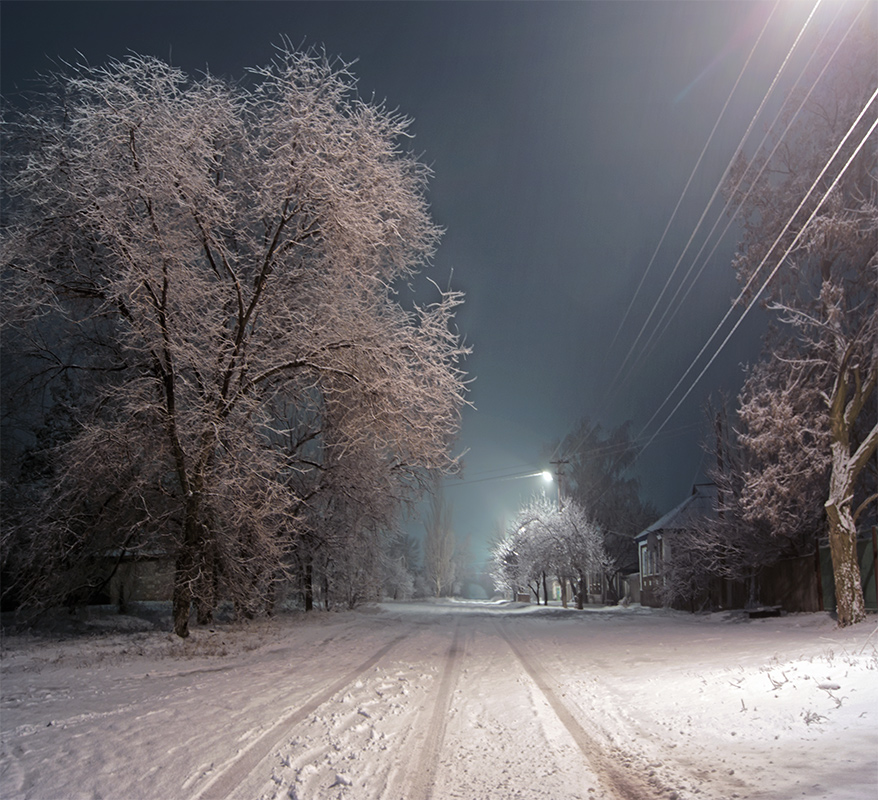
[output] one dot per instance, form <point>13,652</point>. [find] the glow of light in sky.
<point>741,37</point>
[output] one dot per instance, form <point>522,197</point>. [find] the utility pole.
<point>720,464</point>
<point>559,474</point>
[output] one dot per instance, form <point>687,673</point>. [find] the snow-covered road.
<point>446,700</point>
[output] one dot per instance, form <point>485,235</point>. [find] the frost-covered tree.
<point>584,547</point>
<point>353,570</point>
<point>401,561</point>
<point>809,203</point>
<point>227,258</point>
<point>516,559</point>
<point>599,475</point>
<point>503,565</point>
<point>464,569</point>
<point>781,471</point>
<point>543,541</point>
<point>757,522</point>
<point>439,546</point>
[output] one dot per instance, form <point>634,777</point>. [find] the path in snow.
<point>436,701</point>
<point>245,764</point>
<point>622,780</point>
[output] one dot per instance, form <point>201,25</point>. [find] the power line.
<point>515,467</point>
<point>680,200</point>
<point>513,476</point>
<point>614,383</point>
<point>713,196</point>
<point>656,335</point>
<point>606,449</point>
<point>762,263</point>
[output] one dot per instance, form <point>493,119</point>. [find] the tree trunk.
<point>846,467</point>
<point>545,591</point>
<point>206,584</point>
<point>309,585</point>
<point>563,582</point>
<point>849,601</point>
<point>182,599</point>
<point>203,611</point>
<point>187,568</point>
<point>752,594</point>
<point>818,572</point>
<point>580,597</point>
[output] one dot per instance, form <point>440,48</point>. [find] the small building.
<point>145,576</point>
<point>654,543</point>
<point>794,584</point>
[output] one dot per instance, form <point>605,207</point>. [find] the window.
<point>650,555</point>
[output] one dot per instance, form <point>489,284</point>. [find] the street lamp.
<point>549,478</point>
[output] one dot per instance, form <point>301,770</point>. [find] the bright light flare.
<point>547,476</point>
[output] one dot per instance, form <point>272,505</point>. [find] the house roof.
<point>698,505</point>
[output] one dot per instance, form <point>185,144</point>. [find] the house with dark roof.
<point>655,543</point>
<point>797,583</point>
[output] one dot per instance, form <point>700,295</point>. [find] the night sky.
<point>562,136</point>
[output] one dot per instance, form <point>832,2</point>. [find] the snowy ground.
<point>445,700</point>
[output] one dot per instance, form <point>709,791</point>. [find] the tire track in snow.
<point>421,783</point>
<point>242,767</point>
<point>622,786</point>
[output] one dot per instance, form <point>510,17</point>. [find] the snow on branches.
<point>543,541</point>
<point>226,257</point>
<point>808,411</point>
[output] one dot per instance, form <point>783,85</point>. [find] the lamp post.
<point>559,471</point>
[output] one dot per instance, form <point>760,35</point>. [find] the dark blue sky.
<point>561,136</point>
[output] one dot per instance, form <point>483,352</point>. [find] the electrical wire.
<point>609,448</point>
<point>780,262</point>
<point>718,186</point>
<point>683,194</point>
<point>656,335</point>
